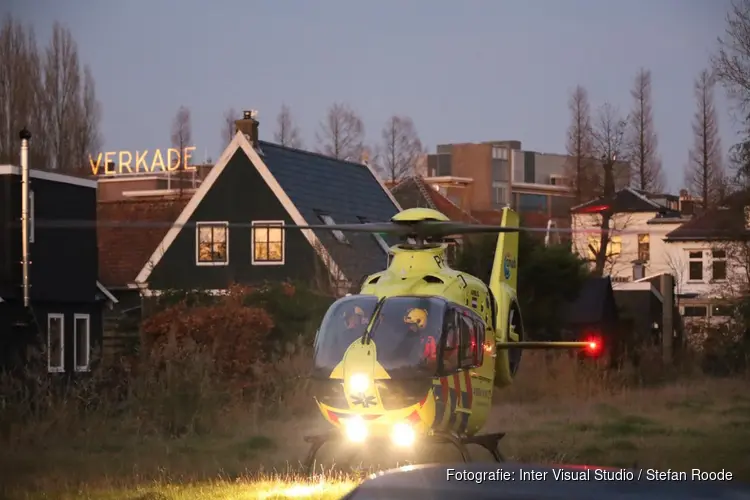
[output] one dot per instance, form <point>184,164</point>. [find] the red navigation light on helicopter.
<point>593,346</point>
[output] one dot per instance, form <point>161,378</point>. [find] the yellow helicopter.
<point>416,354</point>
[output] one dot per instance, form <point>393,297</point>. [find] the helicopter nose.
<point>359,382</point>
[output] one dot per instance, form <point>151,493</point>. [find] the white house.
<point>639,226</point>
<point>713,258</point>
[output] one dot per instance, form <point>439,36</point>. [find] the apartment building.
<point>482,177</point>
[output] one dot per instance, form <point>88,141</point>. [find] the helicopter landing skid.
<point>316,442</point>
<point>490,442</point>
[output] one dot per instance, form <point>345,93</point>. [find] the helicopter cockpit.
<point>414,336</point>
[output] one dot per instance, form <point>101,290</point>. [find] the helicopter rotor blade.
<point>419,229</point>
<point>423,229</point>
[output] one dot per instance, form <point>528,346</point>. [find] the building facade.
<point>481,177</point>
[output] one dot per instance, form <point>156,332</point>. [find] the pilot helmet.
<point>417,317</point>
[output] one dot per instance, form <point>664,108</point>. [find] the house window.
<point>212,243</point>
<point>722,310</point>
<point>500,194</point>
<point>81,342</point>
<point>695,312</point>
<point>614,247</point>
<point>31,217</point>
<point>55,343</point>
<point>378,238</point>
<point>339,235</point>
<point>499,153</point>
<point>695,265</point>
<point>718,265</point>
<point>268,242</point>
<point>643,247</point>
<point>532,203</point>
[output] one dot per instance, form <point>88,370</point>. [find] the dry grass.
<point>76,445</point>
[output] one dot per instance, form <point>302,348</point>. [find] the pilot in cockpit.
<point>416,321</point>
<point>355,318</point>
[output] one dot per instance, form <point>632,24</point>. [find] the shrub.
<point>295,309</point>
<point>231,333</point>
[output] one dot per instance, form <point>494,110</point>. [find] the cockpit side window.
<point>481,335</point>
<point>449,344</point>
<point>345,322</point>
<point>468,340</point>
<point>462,343</point>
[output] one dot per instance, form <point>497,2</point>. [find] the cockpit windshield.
<point>406,334</point>
<point>345,322</point>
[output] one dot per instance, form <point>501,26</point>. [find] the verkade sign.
<point>129,163</point>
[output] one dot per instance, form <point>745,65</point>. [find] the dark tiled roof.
<point>124,250</point>
<point>343,190</point>
<point>625,201</point>
<point>591,305</point>
<point>415,193</point>
<point>410,194</point>
<point>727,221</point>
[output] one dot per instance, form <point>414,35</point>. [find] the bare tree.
<point>62,85</point>
<point>399,150</point>
<point>87,138</point>
<point>228,130</point>
<point>731,67</point>
<point>732,62</point>
<point>342,133</point>
<point>642,141</point>
<point>608,134</point>
<point>50,96</point>
<point>181,137</point>
<point>579,145</point>
<point>287,133</point>
<point>181,129</point>
<point>704,173</point>
<point>20,90</point>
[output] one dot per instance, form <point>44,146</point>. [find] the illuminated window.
<point>643,247</point>
<point>614,248</point>
<point>268,242</point>
<point>212,243</point>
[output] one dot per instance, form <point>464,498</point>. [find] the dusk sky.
<point>464,71</point>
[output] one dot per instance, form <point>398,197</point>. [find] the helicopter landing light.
<point>356,429</point>
<point>403,435</point>
<point>359,382</point>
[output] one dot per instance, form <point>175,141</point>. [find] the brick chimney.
<point>248,125</point>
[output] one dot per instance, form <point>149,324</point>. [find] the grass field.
<point>551,415</point>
